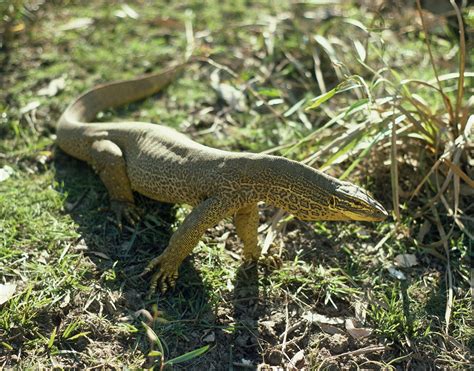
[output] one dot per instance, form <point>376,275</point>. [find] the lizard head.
<point>355,203</point>
<point>342,201</point>
<point>312,195</point>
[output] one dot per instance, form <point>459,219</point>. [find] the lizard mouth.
<point>364,207</point>
<point>375,215</point>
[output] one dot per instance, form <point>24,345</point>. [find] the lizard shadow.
<point>118,257</point>
<point>247,312</point>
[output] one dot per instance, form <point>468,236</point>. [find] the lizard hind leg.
<point>107,160</point>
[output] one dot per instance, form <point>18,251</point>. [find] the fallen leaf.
<point>210,338</point>
<point>54,86</point>
<point>44,157</point>
<point>76,23</point>
<point>18,27</point>
<point>246,362</point>
<point>405,260</point>
<point>5,173</point>
<point>165,22</point>
<point>330,329</point>
<point>360,311</point>
<point>224,237</point>
<point>357,332</point>
<point>396,273</point>
<point>321,319</point>
<point>66,300</point>
<point>100,254</point>
<point>232,96</point>
<point>229,285</point>
<point>424,230</point>
<point>268,327</point>
<point>6,292</point>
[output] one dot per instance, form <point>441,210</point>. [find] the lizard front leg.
<point>107,160</point>
<point>207,214</point>
<point>246,223</point>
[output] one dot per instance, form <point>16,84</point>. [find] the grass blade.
<point>342,87</point>
<point>394,171</point>
<point>449,275</point>
<point>188,356</point>
<point>462,62</point>
<point>433,64</point>
<point>321,99</point>
<point>52,338</point>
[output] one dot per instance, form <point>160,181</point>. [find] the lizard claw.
<point>164,278</point>
<point>125,210</point>
<point>132,215</point>
<point>271,262</point>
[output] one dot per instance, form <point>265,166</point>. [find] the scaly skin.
<point>166,166</point>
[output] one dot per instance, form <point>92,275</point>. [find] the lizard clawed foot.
<point>165,276</point>
<point>271,262</point>
<point>125,210</point>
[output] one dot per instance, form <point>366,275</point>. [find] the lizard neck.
<point>294,187</point>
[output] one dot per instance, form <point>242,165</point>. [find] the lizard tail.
<point>85,108</point>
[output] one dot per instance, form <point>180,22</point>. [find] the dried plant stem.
<point>394,171</point>
<point>449,274</point>
<point>462,63</point>
<point>433,65</point>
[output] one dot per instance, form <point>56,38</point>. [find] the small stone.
<point>210,338</point>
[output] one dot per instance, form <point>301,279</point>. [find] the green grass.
<point>79,301</point>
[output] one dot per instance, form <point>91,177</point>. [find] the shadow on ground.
<point>183,318</point>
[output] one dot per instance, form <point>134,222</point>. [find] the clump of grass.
<point>403,115</point>
<point>425,122</point>
<point>422,121</point>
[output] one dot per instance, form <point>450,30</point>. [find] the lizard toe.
<point>152,265</point>
<point>163,286</point>
<point>165,276</point>
<point>124,210</point>
<point>155,281</point>
<point>135,215</point>
<point>171,281</point>
<point>129,218</point>
<point>271,262</point>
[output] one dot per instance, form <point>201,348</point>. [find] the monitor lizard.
<point>167,166</point>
